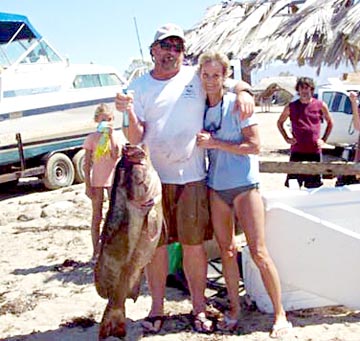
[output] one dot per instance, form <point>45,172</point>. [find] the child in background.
<point>102,152</point>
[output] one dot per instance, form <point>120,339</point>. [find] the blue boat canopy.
<point>11,24</point>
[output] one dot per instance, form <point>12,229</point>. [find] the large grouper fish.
<point>129,237</point>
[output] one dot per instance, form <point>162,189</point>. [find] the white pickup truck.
<point>336,96</point>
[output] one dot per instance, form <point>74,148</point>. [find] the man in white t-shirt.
<point>166,112</point>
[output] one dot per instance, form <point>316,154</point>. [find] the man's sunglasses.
<point>179,47</point>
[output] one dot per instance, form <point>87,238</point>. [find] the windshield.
<point>38,52</point>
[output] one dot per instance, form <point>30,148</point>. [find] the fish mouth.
<point>134,154</point>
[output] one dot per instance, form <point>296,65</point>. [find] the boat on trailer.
<point>47,105</point>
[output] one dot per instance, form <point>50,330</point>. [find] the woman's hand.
<point>205,140</point>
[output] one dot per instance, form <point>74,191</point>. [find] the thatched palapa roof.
<point>346,41</point>
<point>231,26</point>
<point>316,32</point>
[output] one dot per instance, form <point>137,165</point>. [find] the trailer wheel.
<point>78,162</point>
<point>59,171</point>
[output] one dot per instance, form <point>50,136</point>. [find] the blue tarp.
<point>9,25</point>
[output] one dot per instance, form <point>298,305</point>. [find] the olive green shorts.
<point>186,213</point>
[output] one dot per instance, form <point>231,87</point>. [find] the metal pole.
<point>21,151</point>
<point>138,38</point>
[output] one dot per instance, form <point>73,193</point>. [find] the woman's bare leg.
<point>249,210</point>
<point>222,219</point>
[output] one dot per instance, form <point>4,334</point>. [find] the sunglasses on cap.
<point>165,45</point>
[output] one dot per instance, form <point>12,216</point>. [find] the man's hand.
<point>245,103</point>
<point>123,102</point>
<point>353,97</point>
<point>290,140</point>
<point>320,143</point>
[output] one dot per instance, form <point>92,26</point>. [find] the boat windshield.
<point>27,51</point>
<point>20,43</point>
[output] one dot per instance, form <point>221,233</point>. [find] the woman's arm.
<point>249,145</point>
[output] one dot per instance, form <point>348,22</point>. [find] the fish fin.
<point>135,290</point>
<point>145,148</point>
<point>113,323</point>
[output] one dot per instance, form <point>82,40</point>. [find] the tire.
<point>78,162</point>
<point>59,172</point>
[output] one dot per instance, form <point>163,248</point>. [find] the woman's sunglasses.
<point>212,127</point>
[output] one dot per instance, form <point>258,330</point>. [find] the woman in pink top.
<point>102,152</point>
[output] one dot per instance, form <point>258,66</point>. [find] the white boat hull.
<point>50,131</point>
<point>314,240</point>
<point>47,106</point>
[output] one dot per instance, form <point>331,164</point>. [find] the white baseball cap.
<point>169,30</point>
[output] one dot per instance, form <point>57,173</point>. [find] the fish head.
<point>141,184</point>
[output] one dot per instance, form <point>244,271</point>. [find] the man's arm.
<point>135,132</point>
<point>249,145</point>
<point>329,121</point>
<point>280,124</point>
<point>245,102</point>
<point>355,110</point>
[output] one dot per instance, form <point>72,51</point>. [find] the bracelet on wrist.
<point>249,91</point>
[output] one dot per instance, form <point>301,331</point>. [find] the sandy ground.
<point>46,283</point>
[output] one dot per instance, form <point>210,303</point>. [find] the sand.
<point>46,283</point>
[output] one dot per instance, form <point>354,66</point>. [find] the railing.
<point>331,169</point>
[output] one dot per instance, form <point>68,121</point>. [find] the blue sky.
<point>103,31</point>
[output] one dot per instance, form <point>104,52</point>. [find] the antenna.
<point>138,38</point>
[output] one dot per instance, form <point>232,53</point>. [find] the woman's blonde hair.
<point>219,57</point>
<point>102,109</point>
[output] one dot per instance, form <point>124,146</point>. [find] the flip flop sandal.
<point>153,324</point>
<point>280,329</point>
<point>227,324</point>
<point>202,324</point>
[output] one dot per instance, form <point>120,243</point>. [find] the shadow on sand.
<point>86,328</point>
<point>79,273</point>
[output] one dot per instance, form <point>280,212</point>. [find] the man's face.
<point>305,92</point>
<point>168,53</point>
